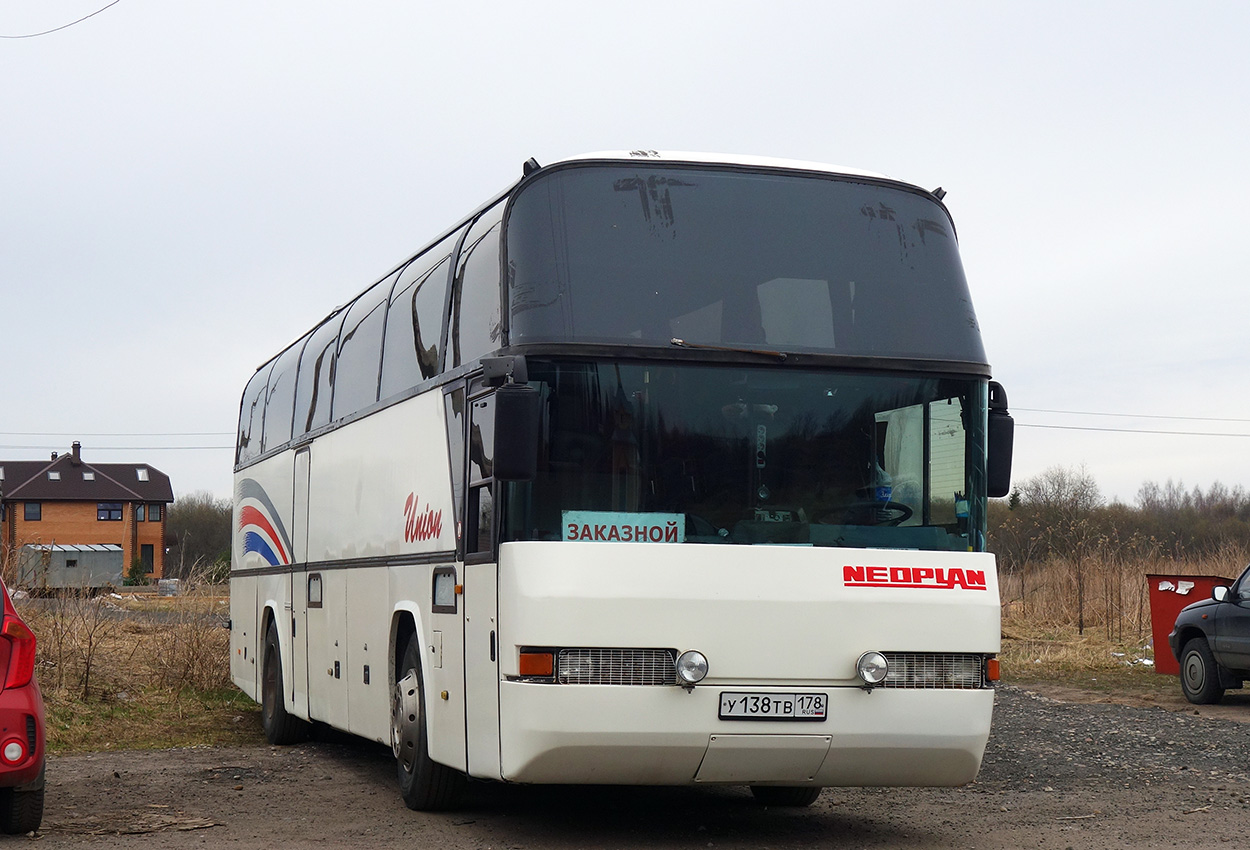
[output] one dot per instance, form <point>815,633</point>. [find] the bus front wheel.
<point>424,784</point>
<point>785,795</point>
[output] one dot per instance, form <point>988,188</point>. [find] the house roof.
<point>68,478</point>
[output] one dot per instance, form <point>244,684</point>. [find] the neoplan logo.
<point>919,577</point>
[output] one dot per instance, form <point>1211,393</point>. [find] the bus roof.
<point>723,159</point>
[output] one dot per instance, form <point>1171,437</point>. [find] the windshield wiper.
<point>681,343</point>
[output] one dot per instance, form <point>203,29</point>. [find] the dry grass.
<point>1034,653</point>
<point>1106,593</point>
<point>135,670</point>
<point>1086,622</point>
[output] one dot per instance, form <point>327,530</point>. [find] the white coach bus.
<point>656,469</point>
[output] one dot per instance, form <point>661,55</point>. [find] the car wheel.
<point>280,726</point>
<point>1200,676</point>
<point>424,784</point>
<point>785,795</point>
<point>21,811</point>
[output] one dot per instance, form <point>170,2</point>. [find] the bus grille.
<point>951,671</point>
<point>617,667</point>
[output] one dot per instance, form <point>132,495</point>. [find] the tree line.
<point>1066,555</point>
<point>197,537</point>
<point>1062,513</point>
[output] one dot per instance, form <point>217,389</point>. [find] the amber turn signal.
<point>991,669</point>
<point>537,664</point>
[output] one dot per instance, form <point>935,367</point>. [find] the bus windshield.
<point>701,453</point>
<point>640,254</point>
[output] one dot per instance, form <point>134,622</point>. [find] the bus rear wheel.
<point>280,726</point>
<point>424,784</point>
<point>785,795</point>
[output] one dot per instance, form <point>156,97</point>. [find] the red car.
<point>21,726</point>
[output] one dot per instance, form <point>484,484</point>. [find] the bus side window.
<point>280,398</point>
<point>454,402</point>
<point>360,351</point>
<point>316,377</point>
<point>480,511</point>
<point>414,322</point>
<point>251,415</point>
<point>476,294</point>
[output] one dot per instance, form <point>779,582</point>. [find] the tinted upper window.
<point>475,309</point>
<point>643,253</point>
<point>280,398</point>
<point>316,377</point>
<point>360,351</point>
<point>414,323</point>
<point>251,416</point>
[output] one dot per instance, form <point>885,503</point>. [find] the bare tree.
<point>198,528</point>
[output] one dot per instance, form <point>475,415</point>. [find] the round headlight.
<point>691,667</point>
<point>872,668</point>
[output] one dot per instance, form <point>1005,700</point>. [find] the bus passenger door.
<point>325,589</point>
<point>299,585</point>
<point>481,602</point>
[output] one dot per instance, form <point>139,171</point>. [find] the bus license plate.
<point>755,706</point>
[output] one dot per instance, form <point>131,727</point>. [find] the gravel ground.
<point>1041,742</point>
<point>1058,773</point>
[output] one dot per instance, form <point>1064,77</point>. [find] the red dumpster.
<point>1168,595</point>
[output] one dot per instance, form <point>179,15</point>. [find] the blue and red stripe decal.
<point>261,525</point>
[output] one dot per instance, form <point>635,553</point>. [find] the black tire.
<point>21,811</point>
<point>1200,676</point>
<point>424,784</point>
<point>785,795</point>
<point>280,727</point>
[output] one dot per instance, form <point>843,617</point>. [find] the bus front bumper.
<point>620,735</point>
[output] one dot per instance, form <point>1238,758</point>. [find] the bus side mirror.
<point>999,439</point>
<point>517,413</point>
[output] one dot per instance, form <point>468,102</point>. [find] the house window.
<point>139,513</point>
<point>54,476</point>
<point>88,476</point>
<point>71,563</point>
<point>108,511</point>
<point>142,472</point>
<point>154,513</point>
<point>34,511</point>
<point>147,554</point>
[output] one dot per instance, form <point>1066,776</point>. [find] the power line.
<point>1129,415</point>
<point>63,26</point>
<point>124,448</point>
<point>117,434</point>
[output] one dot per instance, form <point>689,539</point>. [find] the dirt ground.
<point>1064,769</point>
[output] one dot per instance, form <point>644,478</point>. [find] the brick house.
<point>67,501</point>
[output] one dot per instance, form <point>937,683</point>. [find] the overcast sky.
<point>186,187</point>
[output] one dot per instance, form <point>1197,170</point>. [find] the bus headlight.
<point>691,668</point>
<point>872,668</point>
